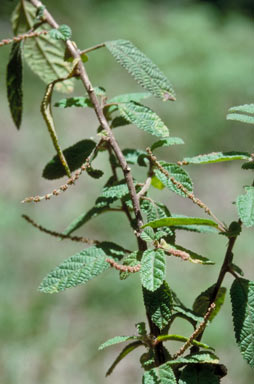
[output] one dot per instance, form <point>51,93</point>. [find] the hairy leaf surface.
<point>125,98</point>
<point>81,267</point>
<point>144,118</point>
<point>153,268</point>
<point>245,207</point>
<point>131,260</point>
<point>115,340</point>
<point>78,101</point>
<point>167,142</point>
<point>179,175</point>
<point>144,71</point>
<point>196,358</point>
<point>160,375</point>
<point>199,374</point>
<point>159,305</point>
<point>44,55</point>
<point>216,157</point>
<point>75,156</point>
<point>242,297</point>
<point>14,83</point>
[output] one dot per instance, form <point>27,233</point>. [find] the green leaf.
<point>119,121</point>
<point>14,83</point>
<point>115,340</point>
<point>44,55</point>
<point>159,305</point>
<point>179,221</point>
<point>144,118</point>
<point>237,269</point>
<point>128,349</point>
<point>148,234</point>
<point>77,101</point>
<point>199,374</point>
<point>132,156</point>
<point>81,267</point>
<point>245,207</point>
<point>141,328</point>
<point>247,109</point>
<point>196,228</point>
<point>242,297</point>
<point>202,302</point>
<point>181,338</point>
<point>149,208</point>
<point>75,156</point>
<point>178,173</point>
<point>167,142</point>
<point>156,183</point>
<point>216,157</point>
<point>160,375</point>
<point>130,260</point>
<point>181,309</point>
<point>144,71</point>
<point>249,165</point>
<point>63,32</point>
<point>125,98</point>
<point>196,358</point>
<point>94,173</point>
<point>153,268</point>
<point>118,190</point>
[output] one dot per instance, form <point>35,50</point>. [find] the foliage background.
<point>207,52</point>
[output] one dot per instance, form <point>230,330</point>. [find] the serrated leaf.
<point>115,340</point>
<point>149,208</point>
<point>44,55</point>
<point>128,349</point>
<point>159,305</point>
<point>144,71</point>
<point>63,32</point>
<point>14,78</point>
<point>196,358</point>
<point>118,190</point>
<point>125,98</point>
<point>153,268</point>
<point>199,374</point>
<point>160,375</point>
<point>202,302</point>
<point>75,156</point>
<point>242,118</point>
<point>179,221</point>
<point>245,207</point>
<point>144,118</point>
<point>162,338</point>
<point>167,142</point>
<point>81,267</point>
<point>178,173</point>
<point>242,298</point>
<point>130,260</point>
<point>246,109</point>
<point>132,156</point>
<point>216,157</point>
<point>148,234</point>
<point>77,101</point>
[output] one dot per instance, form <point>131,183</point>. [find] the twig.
<point>159,352</point>
<point>123,268</point>
<point>195,334</point>
<point>63,188</point>
<point>188,194</point>
<point>92,48</point>
<point>24,36</point>
<point>145,188</point>
<point>58,234</point>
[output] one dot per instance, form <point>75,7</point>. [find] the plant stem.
<point>87,50</point>
<point>155,331</point>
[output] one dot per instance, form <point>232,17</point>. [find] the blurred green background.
<point>206,50</point>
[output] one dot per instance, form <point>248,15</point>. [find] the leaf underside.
<point>245,207</point>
